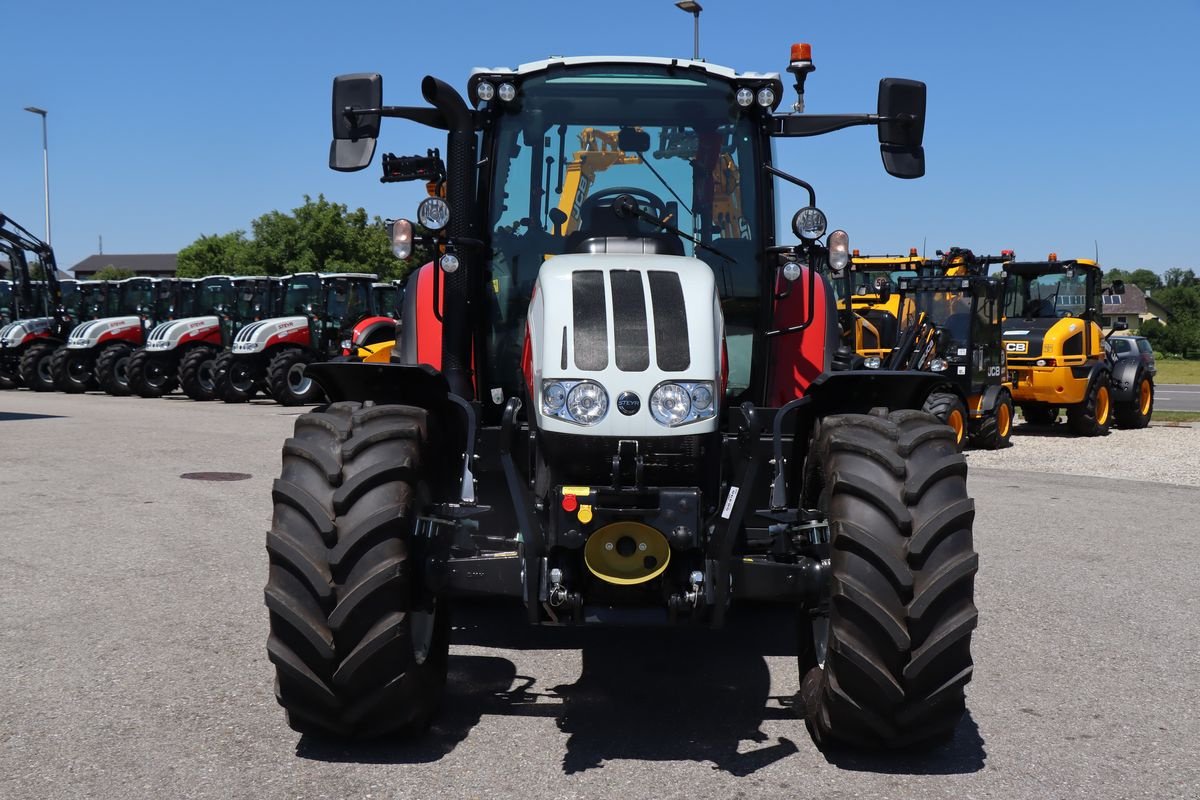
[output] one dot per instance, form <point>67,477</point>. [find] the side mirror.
<point>1120,326</point>
<point>1118,287</point>
<point>902,127</point>
<point>354,134</point>
<point>631,140</point>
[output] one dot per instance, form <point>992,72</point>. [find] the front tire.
<point>950,409</point>
<point>236,378</point>
<point>152,374</point>
<point>37,367</point>
<point>112,369</point>
<point>359,649</point>
<point>197,373</point>
<point>1137,413</point>
<point>902,575</point>
<point>288,383</point>
<point>995,427</point>
<point>73,370</point>
<point>1093,416</point>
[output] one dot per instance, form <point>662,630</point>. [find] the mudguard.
<point>1125,375</point>
<point>179,332</point>
<point>991,396</point>
<point>372,331</point>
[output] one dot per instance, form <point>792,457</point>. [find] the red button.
<point>570,503</point>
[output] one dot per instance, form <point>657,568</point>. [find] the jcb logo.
<point>1016,347</point>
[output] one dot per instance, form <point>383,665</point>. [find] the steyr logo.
<point>629,403</point>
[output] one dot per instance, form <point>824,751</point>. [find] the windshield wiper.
<point>626,206</point>
<point>650,167</point>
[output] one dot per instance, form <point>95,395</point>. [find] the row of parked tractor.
<point>217,337</point>
<point>1027,334</point>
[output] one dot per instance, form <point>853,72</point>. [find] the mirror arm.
<point>812,193</point>
<point>425,116</point>
<point>817,124</point>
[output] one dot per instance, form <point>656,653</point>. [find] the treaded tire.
<point>198,373</point>
<point>236,378</point>
<point>152,374</point>
<point>343,586</point>
<point>282,381</point>
<point>902,575</point>
<point>74,370</point>
<point>10,379</point>
<point>1039,415</point>
<point>994,430</point>
<point>112,369</point>
<point>1093,416</point>
<point>1137,414</point>
<point>37,366</point>
<point>952,411</point>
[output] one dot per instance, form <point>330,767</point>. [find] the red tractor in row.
<point>640,416</point>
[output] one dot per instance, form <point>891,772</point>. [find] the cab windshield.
<point>302,291</point>
<point>1048,296</point>
<point>136,295</point>
<point>211,293</point>
<point>869,281</point>
<point>676,143</point>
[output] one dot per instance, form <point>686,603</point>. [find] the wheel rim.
<point>204,375</point>
<point>296,380</point>
<point>1003,419</point>
<point>240,379</point>
<point>1146,397</point>
<point>45,371</point>
<point>155,376</point>
<point>420,630</point>
<point>77,368</point>
<point>955,421</point>
<point>1102,405</point>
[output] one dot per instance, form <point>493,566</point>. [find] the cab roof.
<point>572,61</point>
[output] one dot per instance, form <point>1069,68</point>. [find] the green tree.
<point>112,273</point>
<point>225,254</point>
<point>1177,277</point>
<point>1144,279</point>
<point>321,236</point>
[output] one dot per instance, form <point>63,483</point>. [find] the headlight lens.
<point>554,397</point>
<point>670,404</point>
<point>938,365</point>
<point>433,213</point>
<point>839,250</point>
<point>744,97</point>
<point>809,223</point>
<point>507,92</point>
<point>587,402</point>
<point>347,344</point>
<point>449,263</point>
<point>872,362</point>
<point>402,238</point>
<point>701,397</point>
<point>485,91</point>
<point>766,97</point>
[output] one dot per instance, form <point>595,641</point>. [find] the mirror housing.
<point>354,135</point>
<point>902,127</point>
<point>1118,287</point>
<point>632,140</point>
<point>1120,326</point>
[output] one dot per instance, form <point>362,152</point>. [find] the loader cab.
<point>964,313</point>
<point>871,312</point>
<point>6,303</point>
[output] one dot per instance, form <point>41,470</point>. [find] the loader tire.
<point>1137,414</point>
<point>359,649</point>
<point>1039,415</point>
<point>197,373</point>
<point>112,369</point>
<point>1093,416</point>
<point>950,409</point>
<point>902,573</point>
<point>74,370</point>
<point>286,381</point>
<point>994,430</point>
<point>152,374</point>
<point>37,367</point>
<point>236,378</point>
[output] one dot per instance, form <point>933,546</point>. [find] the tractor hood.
<point>612,331</point>
<point>89,334</point>
<point>258,336</point>
<point>17,333</point>
<point>178,332</point>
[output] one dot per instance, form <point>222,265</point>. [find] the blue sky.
<point>1051,125</point>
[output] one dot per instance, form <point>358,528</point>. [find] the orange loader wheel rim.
<point>1003,420</point>
<point>1102,405</point>
<point>955,421</point>
<point>1145,398</point>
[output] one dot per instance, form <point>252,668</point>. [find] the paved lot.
<point>133,662</point>
<point>1177,397</point>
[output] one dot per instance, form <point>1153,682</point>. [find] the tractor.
<point>957,335</point>
<point>637,421</point>
<point>1055,351</point>
<point>97,352</point>
<point>44,310</point>
<point>322,309</point>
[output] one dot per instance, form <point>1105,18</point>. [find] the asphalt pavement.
<point>1177,397</point>
<point>133,661</point>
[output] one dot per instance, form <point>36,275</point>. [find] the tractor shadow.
<point>963,754</point>
<point>643,694</point>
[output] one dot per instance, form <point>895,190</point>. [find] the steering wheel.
<point>643,197</point>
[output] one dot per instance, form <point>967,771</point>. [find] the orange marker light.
<point>570,503</point>
<point>1053,257</point>
<point>802,51</point>
<point>912,251</point>
<point>1006,253</point>
<point>854,252</point>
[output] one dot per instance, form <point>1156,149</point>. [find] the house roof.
<point>1132,302</point>
<point>139,263</point>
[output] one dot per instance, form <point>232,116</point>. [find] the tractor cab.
<point>385,299</point>
<point>7,310</point>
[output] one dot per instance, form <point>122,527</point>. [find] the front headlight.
<point>554,397</point>
<point>587,402</point>
<point>433,213</point>
<point>938,365</point>
<point>680,402</point>
<point>872,362</point>
<point>347,344</point>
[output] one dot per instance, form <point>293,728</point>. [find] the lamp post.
<point>693,8</point>
<point>45,165</point>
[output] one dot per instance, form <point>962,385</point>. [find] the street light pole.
<point>45,164</point>
<point>693,8</point>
